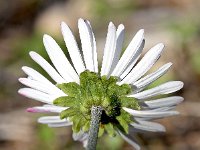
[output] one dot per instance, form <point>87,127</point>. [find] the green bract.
<point>95,90</point>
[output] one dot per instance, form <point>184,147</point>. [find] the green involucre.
<point>95,90</point>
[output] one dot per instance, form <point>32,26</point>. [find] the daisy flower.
<point>118,88</point>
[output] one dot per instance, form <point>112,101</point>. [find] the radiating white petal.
<point>46,88</point>
<point>35,75</point>
<point>94,47</point>
<point>164,102</point>
<point>86,37</point>
<point>46,109</point>
<point>37,95</point>
<point>80,136</point>
<point>72,47</point>
<point>149,113</point>
<point>51,119</point>
<point>85,143</point>
<point>166,88</point>
<point>59,59</point>
<point>109,50</point>
<point>148,126</point>
<point>129,53</point>
<point>133,61</point>
<point>129,140</point>
<point>61,124</point>
<point>47,67</point>
<point>161,109</point>
<point>148,79</point>
<point>119,43</point>
<point>144,65</point>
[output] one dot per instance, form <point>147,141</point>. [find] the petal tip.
<point>21,80</point>
<point>170,64</point>
<point>121,26</point>
<point>141,30</point>
<point>20,91</point>
<point>46,37</point>
<point>161,45</point>
<point>111,25</point>
<point>32,110</point>
<point>80,21</point>
<point>140,33</point>
<point>32,54</point>
<point>181,84</point>
<point>63,24</point>
<point>24,68</point>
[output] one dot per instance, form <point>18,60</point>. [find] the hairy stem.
<point>94,127</point>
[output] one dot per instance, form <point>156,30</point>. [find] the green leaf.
<point>68,113</point>
<point>106,102</point>
<point>124,89</point>
<point>86,76</point>
<point>130,102</point>
<point>78,122</point>
<point>113,89</point>
<point>126,116</point>
<point>101,131</point>
<point>85,88</point>
<point>110,129</point>
<point>91,82</point>
<point>97,91</point>
<point>71,89</point>
<point>110,80</point>
<point>66,101</point>
<point>106,82</point>
<point>86,127</point>
<point>123,123</point>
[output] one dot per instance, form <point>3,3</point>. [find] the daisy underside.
<point>119,88</point>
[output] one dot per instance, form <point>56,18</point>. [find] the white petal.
<point>119,43</point>
<point>129,140</point>
<point>72,47</point>
<point>94,47</point>
<point>85,143</point>
<point>61,124</point>
<point>35,75</point>
<point>80,136</point>
<point>86,37</point>
<point>37,95</point>
<point>161,109</point>
<point>166,88</point>
<point>47,67</point>
<point>51,119</point>
<point>148,79</point>
<point>148,126</point>
<point>46,109</point>
<point>149,113</point>
<point>109,50</point>
<point>129,53</point>
<point>46,88</point>
<point>133,61</point>
<point>59,59</point>
<point>164,102</point>
<point>144,65</point>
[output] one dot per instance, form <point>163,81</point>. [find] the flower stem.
<point>94,127</point>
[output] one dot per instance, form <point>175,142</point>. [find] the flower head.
<point>118,87</point>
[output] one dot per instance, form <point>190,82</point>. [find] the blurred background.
<point>176,23</point>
